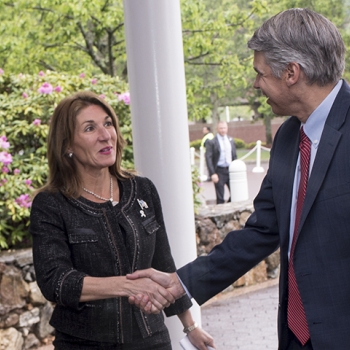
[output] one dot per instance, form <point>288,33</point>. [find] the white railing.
<point>201,156</point>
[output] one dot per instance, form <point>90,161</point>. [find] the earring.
<point>70,154</point>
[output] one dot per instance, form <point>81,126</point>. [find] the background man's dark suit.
<point>322,252</point>
<point>212,155</point>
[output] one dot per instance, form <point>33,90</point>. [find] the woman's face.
<point>95,140</point>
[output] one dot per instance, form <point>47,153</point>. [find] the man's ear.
<point>292,73</point>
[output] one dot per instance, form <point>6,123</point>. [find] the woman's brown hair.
<point>63,174</point>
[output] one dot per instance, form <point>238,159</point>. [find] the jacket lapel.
<point>328,144</point>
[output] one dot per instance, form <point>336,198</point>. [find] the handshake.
<point>160,289</point>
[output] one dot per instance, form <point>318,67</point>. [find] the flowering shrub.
<point>26,105</point>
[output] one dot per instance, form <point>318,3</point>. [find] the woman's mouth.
<point>106,150</point>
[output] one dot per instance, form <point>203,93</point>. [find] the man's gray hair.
<point>304,37</point>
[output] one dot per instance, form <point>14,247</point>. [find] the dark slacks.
<point>224,179</point>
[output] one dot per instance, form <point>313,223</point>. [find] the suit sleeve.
<point>233,147</point>
<point>209,153</point>
<point>240,251</point>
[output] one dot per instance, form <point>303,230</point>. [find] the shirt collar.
<point>315,123</point>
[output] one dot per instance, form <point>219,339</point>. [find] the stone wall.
<point>213,222</point>
<point>25,314</point>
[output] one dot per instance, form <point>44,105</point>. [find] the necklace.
<point>102,198</point>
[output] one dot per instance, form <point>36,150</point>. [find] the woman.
<point>92,223</point>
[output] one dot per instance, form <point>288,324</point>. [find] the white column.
<point>159,121</point>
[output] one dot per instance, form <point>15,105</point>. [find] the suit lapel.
<point>328,144</point>
<point>286,174</point>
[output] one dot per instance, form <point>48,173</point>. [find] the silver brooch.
<point>143,205</point>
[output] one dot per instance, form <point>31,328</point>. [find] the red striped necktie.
<point>296,313</point>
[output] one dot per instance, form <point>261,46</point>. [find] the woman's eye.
<point>109,123</point>
<point>89,128</point>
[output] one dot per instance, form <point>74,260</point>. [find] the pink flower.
<point>24,201</point>
<point>93,81</point>
<point>46,88</point>
<point>3,142</point>
<point>16,171</point>
<point>28,182</point>
<point>1,71</point>
<point>25,95</point>
<point>82,75</point>
<point>125,97</point>
<point>5,158</point>
<point>102,96</point>
<point>4,180</point>
<point>37,122</point>
<point>5,169</point>
<point>41,73</point>
<point>58,89</point>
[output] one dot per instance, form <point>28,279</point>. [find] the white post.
<point>238,181</point>
<point>258,168</point>
<point>202,163</point>
<point>160,123</point>
<point>192,155</point>
<point>227,113</point>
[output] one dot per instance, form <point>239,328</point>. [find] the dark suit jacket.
<point>212,153</point>
<point>322,252</point>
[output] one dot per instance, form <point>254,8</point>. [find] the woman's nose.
<point>104,134</point>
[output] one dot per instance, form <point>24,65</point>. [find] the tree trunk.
<point>214,113</point>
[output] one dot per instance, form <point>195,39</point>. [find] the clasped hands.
<point>169,289</point>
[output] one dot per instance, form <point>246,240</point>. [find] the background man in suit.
<point>220,152</point>
<point>304,202</point>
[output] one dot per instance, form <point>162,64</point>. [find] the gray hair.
<point>305,37</point>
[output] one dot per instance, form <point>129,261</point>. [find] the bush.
<point>27,103</point>
<point>239,143</point>
<point>196,144</point>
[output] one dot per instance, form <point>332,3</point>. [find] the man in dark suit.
<point>304,203</point>
<point>220,152</point>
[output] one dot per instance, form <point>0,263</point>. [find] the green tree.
<point>64,36</point>
<point>216,55</point>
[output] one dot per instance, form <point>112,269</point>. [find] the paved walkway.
<point>245,318</point>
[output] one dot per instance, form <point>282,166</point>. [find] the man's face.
<point>275,89</point>
<point>222,129</point>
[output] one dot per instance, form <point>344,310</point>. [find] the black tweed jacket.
<point>73,238</point>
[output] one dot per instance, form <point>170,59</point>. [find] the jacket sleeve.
<point>162,259</point>
<point>58,280</point>
<point>240,251</point>
<point>233,147</point>
<point>209,153</point>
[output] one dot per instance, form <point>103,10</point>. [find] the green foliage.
<point>196,144</point>
<point>239,143</point>
<point>62,35</point>
<point>24,117</point>
<point>196,188</point>
<point>217,61</point>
